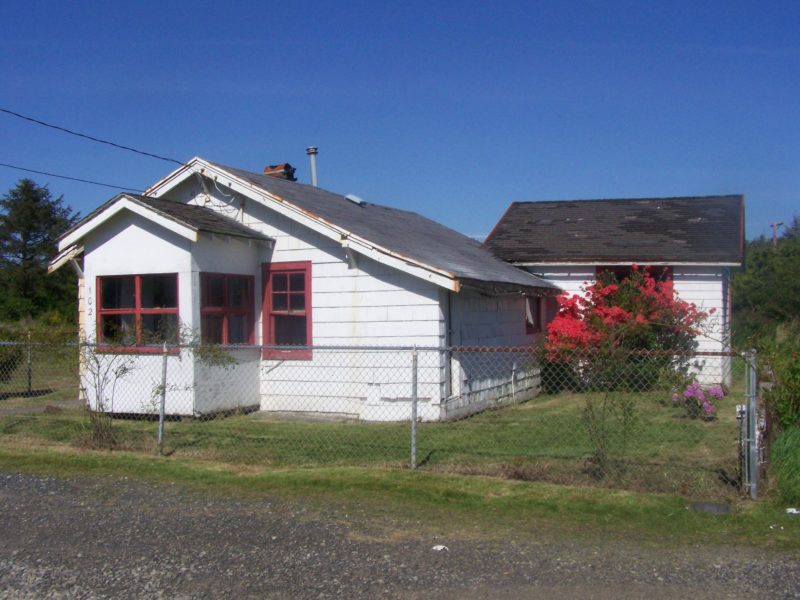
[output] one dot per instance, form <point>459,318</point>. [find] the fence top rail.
<point>376,348</point>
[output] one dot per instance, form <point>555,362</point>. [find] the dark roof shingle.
<point>405,233</point>
<point>700,229</point>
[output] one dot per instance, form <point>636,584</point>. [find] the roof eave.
<point>611,263</point>
<point>114,207</point>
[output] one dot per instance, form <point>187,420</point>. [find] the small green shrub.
<point>786,465</point>
<point>782,357</point>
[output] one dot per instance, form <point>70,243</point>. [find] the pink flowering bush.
<point>699,402</point>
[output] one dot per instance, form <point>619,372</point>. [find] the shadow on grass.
<point>26,393</point>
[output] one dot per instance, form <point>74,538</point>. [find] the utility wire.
<point>108,185</point>
<point>89,137</point>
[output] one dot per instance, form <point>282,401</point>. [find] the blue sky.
<point>450,109</point>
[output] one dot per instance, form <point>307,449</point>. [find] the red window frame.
<point>225,311</point>
<point>269,313</point>
<point>137,311</point>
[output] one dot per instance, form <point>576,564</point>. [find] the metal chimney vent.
<point>312,157</point>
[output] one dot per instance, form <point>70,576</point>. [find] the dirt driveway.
<point>117,538</point>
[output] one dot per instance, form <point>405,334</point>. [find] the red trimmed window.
<point>137,310</point>
<point>226,308</point>
<point>287,309</point>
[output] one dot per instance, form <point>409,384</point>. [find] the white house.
<point>695,241</point>
<point>283,270</point>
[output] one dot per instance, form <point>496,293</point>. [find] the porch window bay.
<point>137,311</point>
<point>287,310</point>
<point>226,307</point>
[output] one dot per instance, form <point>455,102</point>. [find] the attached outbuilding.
<point>695,241</point>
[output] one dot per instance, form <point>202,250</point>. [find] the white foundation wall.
<point>366,304</point>
<point>129,383</point>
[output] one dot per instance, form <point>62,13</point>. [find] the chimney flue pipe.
<point>312,157</point>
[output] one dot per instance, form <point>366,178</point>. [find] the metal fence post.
<point>414,408</point>
<point>30,366</point>
<point>752,421</point>
<point>163,399</point>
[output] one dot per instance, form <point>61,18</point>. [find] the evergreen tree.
<point>31,221</point>
<point>766,292</point>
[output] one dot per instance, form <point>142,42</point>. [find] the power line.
<point>89,137</point>
<point>108,185</point>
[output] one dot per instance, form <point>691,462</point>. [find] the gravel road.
<point>118,538</point>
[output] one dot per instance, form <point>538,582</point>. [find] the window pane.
<point>237,292</point>
<point>118,292</point>
<point>290,330</point>
<point>280,302</point>
<point>118,329</point>
<point>237,329</point>
<point>279,282</point>
<point>215,291</point>
<point>212,329</point>
<point>157,329</point>
<point>297,302</point>
<point>297,282</point>
<point>159,291</point>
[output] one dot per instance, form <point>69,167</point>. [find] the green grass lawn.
<point>496,470</point>
<point>50,376</point>
<point>402,502</point>
<point>544,439</point>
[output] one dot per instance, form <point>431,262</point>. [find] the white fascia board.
<point>624,264</point>
<point>126,204</point>
<point>367,248</point>
<point>64,257</point>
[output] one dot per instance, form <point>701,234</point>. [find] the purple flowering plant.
<point>697,401</point>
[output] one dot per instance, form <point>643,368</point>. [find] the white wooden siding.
<point>370,305</point>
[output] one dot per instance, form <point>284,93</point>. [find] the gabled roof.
<point>686,230</point>
<point>396,236</point>
<point>184,219</point>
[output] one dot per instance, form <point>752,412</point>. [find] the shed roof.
<point>696,230</point>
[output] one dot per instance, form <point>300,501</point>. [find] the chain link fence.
<point>658,421</point>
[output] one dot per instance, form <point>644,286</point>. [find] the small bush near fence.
<point>625,423</point>
<point>785,457</point>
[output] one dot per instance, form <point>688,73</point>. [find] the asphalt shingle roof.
<point>194,217</point>
<point>704,229</point>
<point>405,233</point>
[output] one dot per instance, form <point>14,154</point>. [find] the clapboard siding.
<point>479,320</point>
<point>369,305</point>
